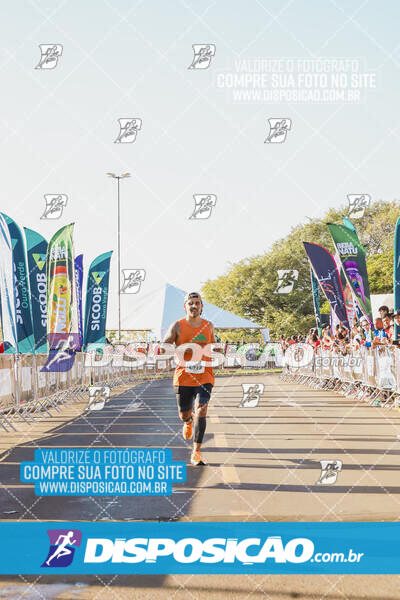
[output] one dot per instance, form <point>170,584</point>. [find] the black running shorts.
<point>186,394</point>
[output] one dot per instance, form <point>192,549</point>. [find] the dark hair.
<point>383,308</point>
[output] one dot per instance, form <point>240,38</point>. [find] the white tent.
<point>157,309</point>
<point>222,319</point>
<point>378,300</point>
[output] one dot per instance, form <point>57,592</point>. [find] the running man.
<point>193,380</point>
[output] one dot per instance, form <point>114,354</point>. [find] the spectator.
<point>356,337</point>
<point>387,327</point>
<point>380,337</point>
<point>367,331</point>
<point>383,311</point>
<point>339,345</point>
<point>327,339</point>
<point>396,318</point>
<point>157,349</point>
<point>315,341</point>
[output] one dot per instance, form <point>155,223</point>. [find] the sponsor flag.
<point>23,310</point>
<point>325,270</point>
<point>7,291</point>
<point>315,293</point>
<point>353,310</point>
<point>352,258</point>
<point>347,223</point>
<point>396,275</point>
<point>36,249</point>
<point>96,302</point>
<point>79,284</point>
<point>62,308</point>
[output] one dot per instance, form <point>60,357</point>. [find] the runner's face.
<point>193,307</point>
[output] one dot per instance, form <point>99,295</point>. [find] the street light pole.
<point>119,264</point>
<point>118,177</point>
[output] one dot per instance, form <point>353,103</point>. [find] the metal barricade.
<point>42,379</point>
<point>347,368</point>
<point>326,363</point>
<point>385,369</point>
<point>370,368</point>
<point>368,373</point>
<point>7,381</point>
<point>356,367</point>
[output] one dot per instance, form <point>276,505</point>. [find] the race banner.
<point>23,309</point>
<point>36,249</point>
<point>325,270</point>
<point>352,258</point>
<point>96,302</point>
<point>351,303</point>
<point>396,275</point>
<point>62,309</point>
<point>79,285</point>
<point>7,291</point>
<point>315,294</point>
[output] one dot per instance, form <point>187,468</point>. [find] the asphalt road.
<point>264,464</point>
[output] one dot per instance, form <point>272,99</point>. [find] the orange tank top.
<point>193,372</point>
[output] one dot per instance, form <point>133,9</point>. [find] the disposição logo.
<point>63,543</point>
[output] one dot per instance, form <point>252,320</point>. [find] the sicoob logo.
<point>63,543</point>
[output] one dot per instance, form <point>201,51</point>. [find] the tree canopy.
<point>248,287</point>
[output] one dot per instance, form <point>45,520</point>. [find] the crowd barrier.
<point>27,392</point>
<point>370,374</point>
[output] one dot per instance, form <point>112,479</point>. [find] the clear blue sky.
<point>130,59</point>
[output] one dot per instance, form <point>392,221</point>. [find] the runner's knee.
<point>185,416</point>
<point>201,410</point>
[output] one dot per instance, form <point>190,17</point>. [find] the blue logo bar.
<point>162,548</point>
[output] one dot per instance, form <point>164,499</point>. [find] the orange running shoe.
<point>196,459</point>
<point>187,430</point>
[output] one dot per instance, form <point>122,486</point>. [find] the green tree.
<point>248,287</point>
<point>380,272</point>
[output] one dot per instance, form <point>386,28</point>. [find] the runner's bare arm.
<point>172,335</point>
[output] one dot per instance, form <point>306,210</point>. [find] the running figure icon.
<point>62,549</point>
